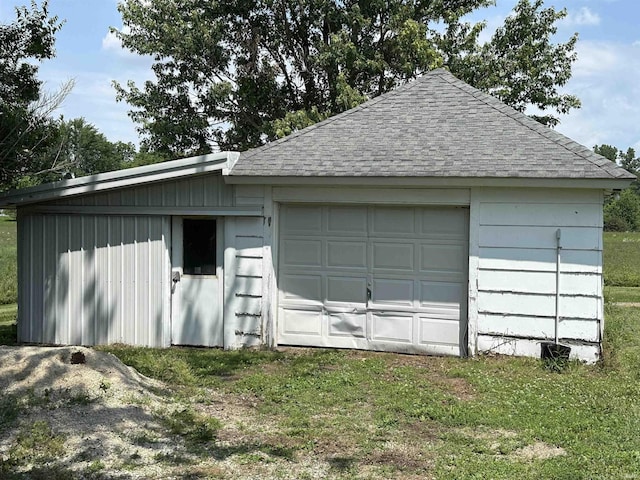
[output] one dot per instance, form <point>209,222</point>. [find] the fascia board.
<point>449,182</point>
<point>118,179</point>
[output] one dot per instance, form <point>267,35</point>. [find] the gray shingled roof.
<point>435,126</point>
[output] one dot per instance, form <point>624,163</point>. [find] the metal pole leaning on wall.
<point>558,259</point>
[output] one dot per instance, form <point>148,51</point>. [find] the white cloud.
<point>595,58</point>
<point>584,17</point>
<point>110,42</point>
<point>605,81</point>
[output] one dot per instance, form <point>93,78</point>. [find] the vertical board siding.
<point>517,265</point>
<point>87,279</point>
<point>199,191</point>
<point>243,286</point>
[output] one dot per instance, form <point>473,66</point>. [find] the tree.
<point>629,161</point>
<point>25,125</point>
<point>622,214</point>
<point>83,150</point>
<point>607,151</point>
<point>235,74</point>
<point>521,66</point>
<point>626,159</point>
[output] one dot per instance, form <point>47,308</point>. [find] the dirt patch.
<point>538,451</point>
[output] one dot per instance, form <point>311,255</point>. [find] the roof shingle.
<point>435,126</point>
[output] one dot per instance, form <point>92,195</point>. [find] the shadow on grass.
<point>189,366</point>
<point>8,334</point>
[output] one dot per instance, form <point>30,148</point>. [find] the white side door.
<point>197,290</point>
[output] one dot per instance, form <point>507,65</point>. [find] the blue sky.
<point>606,76</point>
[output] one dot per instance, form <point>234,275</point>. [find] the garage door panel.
<point>393,256</point>
<point>393,291</point>
<point>347,220</point>
<point>305,288</point>
<point>448,295</point>
<point>394,328</point>
<point>435,330</point>
<point>307,253</point>
<point>302,219</point>
<point>393,221</point>
<point>443,258</point>
<point>301,322</point>
<point>452,225</point>
<point>347,324</point>
<point>345,254</point>
<point>351,290</point>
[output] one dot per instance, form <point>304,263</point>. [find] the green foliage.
<point>607,151</point>
<point>623,213</point>
<point>621,259</point>
<point>521,66</point>
<point>8,262</point>
<point>235,75</point>
<point>25,129</point>
<point>83,150</point>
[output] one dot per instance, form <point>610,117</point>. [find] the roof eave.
<point>120,178</point>
<point>435,182</point>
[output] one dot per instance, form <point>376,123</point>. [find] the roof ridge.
<point>363,106</point>
<point>529,123</point>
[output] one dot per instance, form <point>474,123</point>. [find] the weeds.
<point>192,425</point>
<point>36,443</point>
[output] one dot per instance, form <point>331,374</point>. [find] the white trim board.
<point>437,182</point>
<point>383,196</point>
<point>133,210</point>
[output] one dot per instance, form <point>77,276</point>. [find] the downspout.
<point>558,250</point>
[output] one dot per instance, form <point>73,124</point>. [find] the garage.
<point>433,219</point>
<point>374,277</point>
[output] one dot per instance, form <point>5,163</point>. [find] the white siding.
<point>516,289</point>
<point>87,279</point>
<point>243,282</point>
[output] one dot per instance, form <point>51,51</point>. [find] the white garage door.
<point>378,278</point>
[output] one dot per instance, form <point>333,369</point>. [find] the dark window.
<point>199,246</point>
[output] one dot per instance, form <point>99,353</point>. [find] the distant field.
<point>622,259</point>
<point>8,266</point>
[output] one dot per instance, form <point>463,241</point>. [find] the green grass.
<point>622,294</point>
<point>458,418</point>
<point>454,418</point>
<point>8,324</point>
<point>622,259</point>
<point>8,266</point>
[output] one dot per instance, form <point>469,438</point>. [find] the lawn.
<point>8,324</point>
<point>8,266</point>
<point>375,415</point>
<point>316,413</point>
